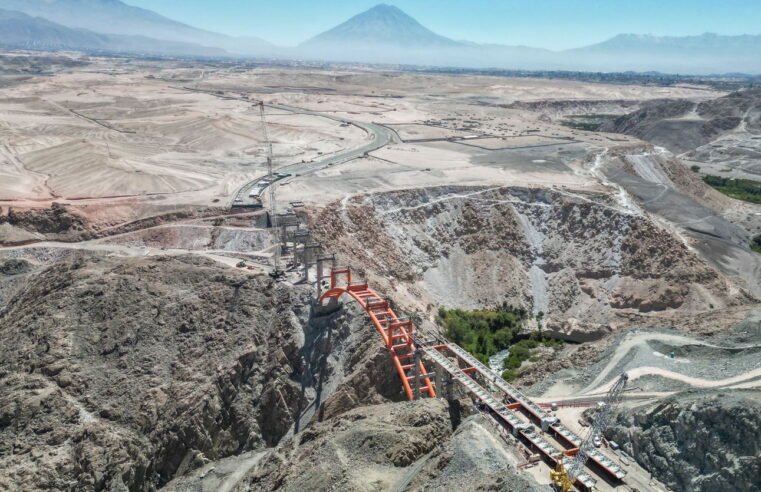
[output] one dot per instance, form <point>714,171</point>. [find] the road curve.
<point>380,137</point>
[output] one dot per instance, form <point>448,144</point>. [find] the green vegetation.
<point>484,333</point>
<point>695,168</point>
<point>587,122</point>
<point>509,375</point>
<point>741,189</point>
<point>581,125</point>
<point>519,352</point>
<point>755,244</point>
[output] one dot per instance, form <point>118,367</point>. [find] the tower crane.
<point>277,272</point>
<point>565,474</point>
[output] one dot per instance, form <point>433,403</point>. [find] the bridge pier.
<point>333,306</point>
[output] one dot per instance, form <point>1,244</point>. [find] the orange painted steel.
<point>396,333</point>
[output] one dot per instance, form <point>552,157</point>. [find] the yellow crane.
<point>564,475</point>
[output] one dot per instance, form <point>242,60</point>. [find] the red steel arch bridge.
<point>511,410</point>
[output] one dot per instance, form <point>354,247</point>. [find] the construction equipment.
<point>277,272</point>
<point>564,474</point>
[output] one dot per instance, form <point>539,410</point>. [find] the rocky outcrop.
<point>400,446</point>
<point>697,443</point>
<point>14,266</point>
<point>576,256</point>
<point>121,374</point>
<point>54,223</point>
<point>681,125</point>
<point>558,108</point>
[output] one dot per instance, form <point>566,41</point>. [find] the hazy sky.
<point>554,24</point>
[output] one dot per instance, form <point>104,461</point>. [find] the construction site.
<point>264,307</point>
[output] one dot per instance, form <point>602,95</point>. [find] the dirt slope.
<point>579,257</point>
<point>403,446</point>
<point>120,374</point>
<point>681,125</point>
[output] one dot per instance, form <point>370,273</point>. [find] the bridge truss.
<point>514,412</point>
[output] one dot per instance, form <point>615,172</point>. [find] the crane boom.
<point>271,191</point>
<point>565,475</point>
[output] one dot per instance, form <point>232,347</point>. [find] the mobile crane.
<point>564,475</point>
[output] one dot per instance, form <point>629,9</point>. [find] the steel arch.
<point>395,332</point>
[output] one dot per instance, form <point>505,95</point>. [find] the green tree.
<point>509,375</point>
<point>755,244</point>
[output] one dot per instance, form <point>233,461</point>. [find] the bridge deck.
<point>536,411</point>
<point>397,335</point>
<point>500,409</point>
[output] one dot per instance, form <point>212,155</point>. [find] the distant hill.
<point>116,17</point>
<point>21,31</point>
<point>681,125</point>
<point>707,53</point>
<point>382,25</point>
<point>708,43</point>
<point>388,35</point>
<point>18,30</point>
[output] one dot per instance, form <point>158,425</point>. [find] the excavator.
<point>564,475</point>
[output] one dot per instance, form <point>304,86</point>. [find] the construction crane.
<point>277,272</point>
<point>564,474</point>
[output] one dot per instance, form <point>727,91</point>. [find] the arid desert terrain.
<point>147,348</point>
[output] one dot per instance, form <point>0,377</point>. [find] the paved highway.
<point>379,137</point>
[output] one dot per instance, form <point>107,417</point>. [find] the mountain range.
<point>382,34</point>
<point>117,18</point>
<point>22,31</point>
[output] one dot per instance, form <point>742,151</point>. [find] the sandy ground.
<point>90,135</point>
<point>122,139</point>
<point>676,369</point>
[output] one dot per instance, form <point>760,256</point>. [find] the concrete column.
<point>438,382</point>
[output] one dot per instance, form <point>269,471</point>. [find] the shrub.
<point>520,352</point>
<point>512,362</point>
<point>549,342</point>
<point>755,244</point>
<point>741,189</point>
<point>482,333</point>
<point>509,375</point>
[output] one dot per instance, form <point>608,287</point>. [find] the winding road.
<point>380,136</point>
